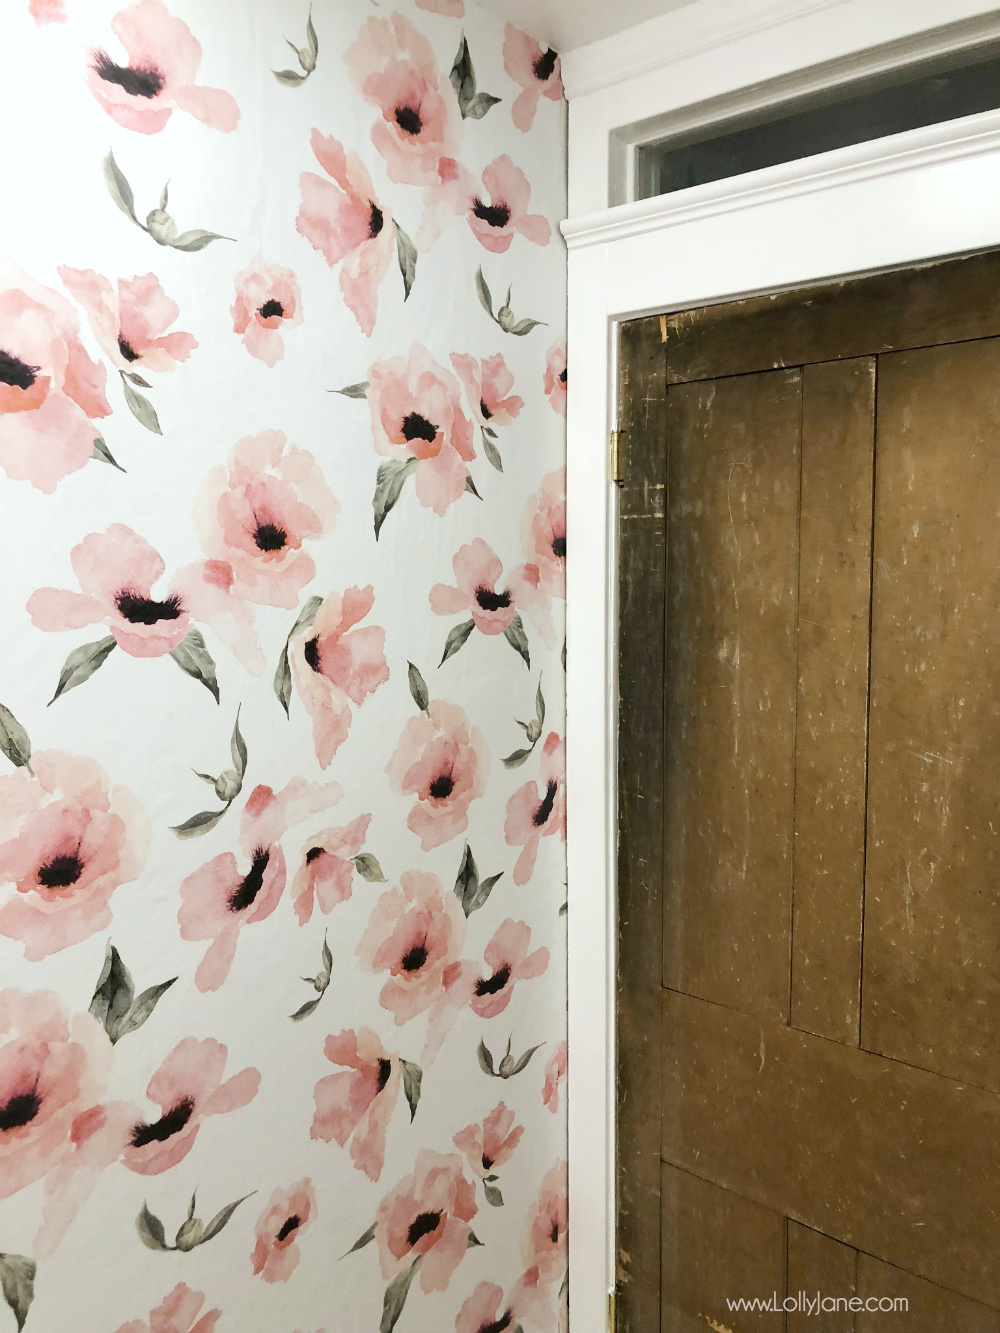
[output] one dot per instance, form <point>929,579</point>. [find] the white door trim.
<point>908,200</point>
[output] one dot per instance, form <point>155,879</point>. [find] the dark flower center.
<point>313,854</point>
<point>311,653</point>
<point>144,611</point>
<point>376,221</point>
<point>492,601</point>
<point>442,786</point>
<point>487,1162</point>
<point>20,1110</point>
<point>422,1225</point>
<point>492,985</point>
<point>60,872</point>
<point>416,427</point>
<point>559,547</point>
<point>145,81</point>
<point>545,64</point>
<point>166,1127</point>
<point>251,883</point>
<point>271,308</point>
<point>554,1233</point>
<point>288,1227</point>
<point>484,410</point>
<point>127,350</point>
<point>408,119</point>
<point>562,377</point>
<point>269,537</point>
<point>494,215</point>
<point>498,1325</point>
<point>414,959</point>
<point>18,374</point>
<point>545,809</point>
<point>384,1070</point>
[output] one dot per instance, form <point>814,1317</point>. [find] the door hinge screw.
<point>617,474</point>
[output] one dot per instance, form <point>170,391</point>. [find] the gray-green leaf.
<point>113,994</point>
<point>509,1066</point>
<point>238,748</point>
<point>482,893</point>
<point>197,239</point>
<point>418,687</point>
<point>388,487</point>
<point>203,822</point>
<point>14,740</point>
<point>493,1195</point>
<point>484,294</point>
<point>516,759</point>
<point>133,378</point>
<point>140,1010</point>
<point>82,663</point>
<point>540,706</point>
<point>221,1218</point>
<point>368,868</point>
<point>359,390</point>
<point>151,1230</point>
<point>492,453</point>
<point>17,1280</point>
<point>412,1076</point>
<point>467,883</point>
<point>119,188</point>
<point>406,253</point>
<point>195,660</point>
<point>463,76</point>
<point>485,1059</point>
<point>104,455</point>
<point>189,1234</point>
<point>473,1241</point>
<point>283,681</point>
<point>456,639</point>
<point>311,37</point>
<point>518,640</point>
<point>365,1239</point>
<point>479,105</point>
<point>470,486</point>
<point>305,1010</point>
<point>395,1297</point>
<point>141,408</point>
<point>289,77</point>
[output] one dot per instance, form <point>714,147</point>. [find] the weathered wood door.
<point>809,862</point>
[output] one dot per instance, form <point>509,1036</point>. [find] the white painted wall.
<point>566,24</point>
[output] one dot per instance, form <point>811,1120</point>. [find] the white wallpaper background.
<point>257,494</point>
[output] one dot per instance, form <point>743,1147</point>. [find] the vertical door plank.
<point>838,437</point>
<point>931,992</point>
<point>929,1309</point>
<point>718,1247</point>
<point>731,669</point>
<point>642,581</point>
<point>819,1267</point>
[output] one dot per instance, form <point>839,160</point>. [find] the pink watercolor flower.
<point>544,1244</point>
<point>128,323</point>
<point>494,224</point>
<point>177,1314</point>
<point>258,511</point>
<point>428,1214</point>
<point>187,1087</point>
<point>555,1072</point>
<point>554,381</point>
<point>117,570</point>
<point>486,1311</point>
<point>444,762</point>
<point>486,384</point>
<point>508,959</point>
<point>278,1229</point>
<point>359,1101</point>
<point>477,572</point>
<point>69,839</point>
<point>335,665</point>
<point>219,899</point>
<point>416,413</point>
<point>50,389</point>
<point>47,11</point>
<point>326,874</point>
<point>537,72</point>
<point>532,815</point>
<point>268,300</point>
<point>345,221</point>
<point>450,8</point>
<point>162,59</point>
<point>490,1145</point>
<point>543,536</point>
<point>393,68</point>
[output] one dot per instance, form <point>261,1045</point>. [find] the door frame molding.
<point>920,196</point>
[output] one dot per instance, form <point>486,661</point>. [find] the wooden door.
<point>809,855</point>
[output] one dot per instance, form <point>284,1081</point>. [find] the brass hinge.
<point>612,1325</point>
<point>617,472</point>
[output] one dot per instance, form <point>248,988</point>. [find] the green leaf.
<point>483,292</point>
<point>485,1059</point>
<point>516,759</point>
<point>113,994</point>
<point>368,868</point>
<point>190,241</point>
<point>388,487</point>
<point>418,687</point>
<point>311,37</point>
<point>14,740</point>
<point>189,1234</point>
<point>203,822</point>
<point>140,1010</point>
<point>524,326</point>
<point>238,748</point>
<point>473,1241</point>
<point>361,1241</point>
<point>492,453</point>
<point>456,639</point>
<point>479,105</point>
<point>305,1010</point>
<point>412,1076</point>
<point>119,188</point>
<point>133,378</point>
<point>141,408</point>
<point>463,77</point>
<point>103,454</point>
<point>222,1217</point>
<point>359,390</point>
<point>196,661</point>
<point>283,681</point>
<point>483,893</point>
<point>467,883</point>
<point>151,1231</point>
<point>509,1067</point>
<point>540,706</point>
<point>82,663</point>
<point>493,1195</point>
<point>395,1297</point>
<point>406,253</point>
<point>289,77</point>
<point>470,486</point>
<point>518,640</point>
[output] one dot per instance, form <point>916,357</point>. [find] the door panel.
<point>817,1264</point>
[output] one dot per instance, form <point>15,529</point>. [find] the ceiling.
<point>565,24</point>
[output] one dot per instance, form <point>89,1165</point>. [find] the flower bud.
<point>189,1235</point>
<point>161,226</point>
<point>228,785</point>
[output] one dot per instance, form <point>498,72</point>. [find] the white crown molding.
<point>675,37</point>
<point>971,136</point>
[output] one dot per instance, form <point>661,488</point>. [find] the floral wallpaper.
<point>282,592</point>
